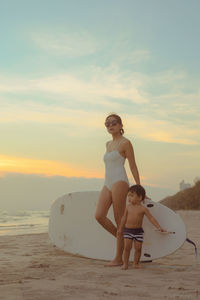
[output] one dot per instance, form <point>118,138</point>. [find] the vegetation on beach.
<point>188,199</point>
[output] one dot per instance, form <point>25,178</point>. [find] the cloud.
<point>171,118</point>
<point>162,107</point>
<point>138,56</point>
<point>10,164</point>
<point>80,43</point>
<point>162,131</point>
<point>142,126</point>
<point>131,57</point>
<point>69,119</point>
<point>100,88</point>
<point>69,44</point>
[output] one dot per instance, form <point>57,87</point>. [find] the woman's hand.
<point>119,232</point>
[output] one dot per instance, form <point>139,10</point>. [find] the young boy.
<point>131,224</point>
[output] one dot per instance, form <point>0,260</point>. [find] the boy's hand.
<point>162,229</point>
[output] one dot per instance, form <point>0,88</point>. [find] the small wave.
<point>23,221</point>
<point>26,213</point>
<point>3,220</point>
<point>46,216</point>
<point>4,213</point>
<point>19,225</point>
<point>21,213</point>
<point>41,213</point>
<point>30,213</point>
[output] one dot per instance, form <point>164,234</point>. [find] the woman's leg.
<point>119,194</point>
<point>104,203</point>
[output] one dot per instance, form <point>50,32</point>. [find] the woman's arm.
<point>129,152</point>
<point>123,221</point>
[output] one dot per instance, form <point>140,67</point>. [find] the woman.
<point>116,184</point>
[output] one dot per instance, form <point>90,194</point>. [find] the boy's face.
<point>133,198</point>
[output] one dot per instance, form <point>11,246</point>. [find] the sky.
<point>65,65</point>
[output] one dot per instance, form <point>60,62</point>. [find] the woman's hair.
<point>119,120</point>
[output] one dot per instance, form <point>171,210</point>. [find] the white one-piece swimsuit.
<point>114,168</point>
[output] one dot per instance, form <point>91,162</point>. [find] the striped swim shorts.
<point>134,234</point>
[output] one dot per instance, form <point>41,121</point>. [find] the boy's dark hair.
<point>140,191</point>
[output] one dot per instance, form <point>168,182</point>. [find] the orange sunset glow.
<point>9,164</point>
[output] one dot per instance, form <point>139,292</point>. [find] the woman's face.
<point>112,125</point>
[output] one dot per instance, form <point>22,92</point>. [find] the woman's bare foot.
<point>137,266</point>
<point>114,263</point>
<point>124,267</point>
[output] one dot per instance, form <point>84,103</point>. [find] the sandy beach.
<point>31,268</point>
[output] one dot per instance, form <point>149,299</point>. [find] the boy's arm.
<point>153,220</point>
<point>123,221</point>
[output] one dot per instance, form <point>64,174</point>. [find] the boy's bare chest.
<point>136,210</point>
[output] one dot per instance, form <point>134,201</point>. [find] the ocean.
<point>23,222</point>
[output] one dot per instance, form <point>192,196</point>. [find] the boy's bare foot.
<point>124,267</point>
<point>114,263</point>
<point>137,266</point>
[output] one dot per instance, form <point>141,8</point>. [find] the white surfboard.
<point>73,228</point>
